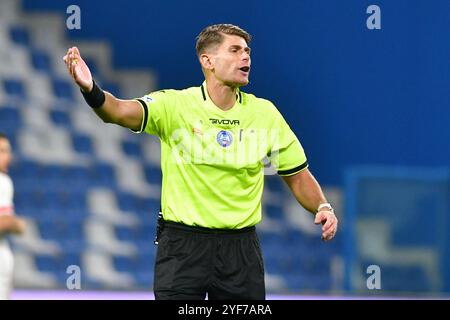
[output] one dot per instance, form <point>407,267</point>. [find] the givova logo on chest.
<point>224,121</point>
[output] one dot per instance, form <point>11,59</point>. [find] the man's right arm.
<point>11,224</point>
<point>126,113</point>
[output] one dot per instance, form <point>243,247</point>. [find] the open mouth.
<point>245,69</point>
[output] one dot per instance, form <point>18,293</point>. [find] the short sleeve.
<point>286,154</point>
<point>156,117</point>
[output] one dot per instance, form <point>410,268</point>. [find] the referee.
<point>214,138</point>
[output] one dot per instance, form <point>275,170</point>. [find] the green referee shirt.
<point>212,160</point>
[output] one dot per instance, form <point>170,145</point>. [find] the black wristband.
<point>95,98</point>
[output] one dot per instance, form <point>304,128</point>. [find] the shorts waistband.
<point>184,227</point>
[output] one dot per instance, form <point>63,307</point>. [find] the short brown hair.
<point>212,35</point>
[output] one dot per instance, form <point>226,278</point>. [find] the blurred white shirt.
<point>6,257</point>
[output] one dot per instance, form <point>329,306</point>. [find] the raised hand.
<point>78,69</point>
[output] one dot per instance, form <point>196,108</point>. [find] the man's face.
<point>5,154</point>
<point>231,61</point>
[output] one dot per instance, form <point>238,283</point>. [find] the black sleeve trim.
<point>293,170</point>
<point>144,123</point>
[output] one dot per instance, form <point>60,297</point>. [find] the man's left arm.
<point>308,193</point>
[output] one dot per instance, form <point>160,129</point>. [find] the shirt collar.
<point>206,97</point>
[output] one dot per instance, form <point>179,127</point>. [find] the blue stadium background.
<point>371,108</point>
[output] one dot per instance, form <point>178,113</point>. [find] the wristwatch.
<point>325,205</point>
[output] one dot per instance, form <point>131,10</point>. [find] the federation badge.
<point>224,138</point>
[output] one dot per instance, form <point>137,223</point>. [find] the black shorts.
<point>193,262</point>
